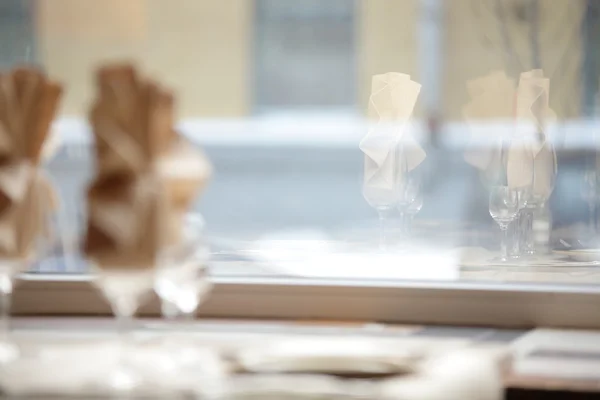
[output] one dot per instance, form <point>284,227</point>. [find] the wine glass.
<point>408,184</point>
<point>413,209</point>
<point>182,283</point>
<point>521,177</point>
<point>503,207</point>
<point>546,169</point>
<point>41,218</point>
<point>9,268</point>
<point>125,289</point>
<point>383,194</point>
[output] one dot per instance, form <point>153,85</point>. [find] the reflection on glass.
<point>292,100</point>
<point>382,196</point>
<point>546,170</point>
<point>412,210</point>
<point>504,207</point>
<point>409,189</point>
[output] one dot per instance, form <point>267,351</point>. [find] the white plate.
<point>337,357</point>
<point>585,255</point>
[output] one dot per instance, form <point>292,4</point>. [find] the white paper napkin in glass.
<point>391,104</point>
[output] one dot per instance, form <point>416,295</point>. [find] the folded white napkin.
<point>496,98</point>
<point>392,101</point>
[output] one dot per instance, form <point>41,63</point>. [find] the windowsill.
<point>454,303</point>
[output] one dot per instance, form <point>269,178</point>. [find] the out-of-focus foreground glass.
<point>281,94</point>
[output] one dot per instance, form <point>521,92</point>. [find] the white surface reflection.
<point>315,258</point>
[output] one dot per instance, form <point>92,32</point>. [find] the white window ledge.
<point>497,305</point>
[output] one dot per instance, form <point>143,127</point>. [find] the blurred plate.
<point>585,255</point>
<point>354,358</point>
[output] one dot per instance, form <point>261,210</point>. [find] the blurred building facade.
<point>236,58</point>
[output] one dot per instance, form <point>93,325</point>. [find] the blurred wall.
<point>200,48</point>
<point>203,48</point>
<point>475,45</point>
<point>387,41</point>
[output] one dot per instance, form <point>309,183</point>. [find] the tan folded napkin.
<point>392,101</point>
<point>147,176</point>
<point>28,102</point>
<point>132,120</point>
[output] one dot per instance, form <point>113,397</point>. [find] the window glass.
<point>295,103</point>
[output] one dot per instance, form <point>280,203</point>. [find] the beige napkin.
<point>495,98</point>
<point>147,176</point>
<point>392,101</point>
<point>28,102</point>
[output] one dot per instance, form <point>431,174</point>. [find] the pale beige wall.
<point>199,48</point>
<point>202,48</point>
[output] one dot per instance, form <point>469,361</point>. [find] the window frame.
<point>447,303</point>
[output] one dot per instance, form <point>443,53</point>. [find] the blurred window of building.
<point>17,39</point>
<point>305,55</point>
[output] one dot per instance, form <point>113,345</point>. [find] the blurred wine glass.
<point>521,178</point>
<point>503,207</point>
<point>182,281</point>
<point>409,189</point>
<point>9,268</point>
<point>382,195</point>
<point>591,195</point>
<point>546,169</point>
<point>42,218</point>
<point>413,209</point>
<point>125,289</point>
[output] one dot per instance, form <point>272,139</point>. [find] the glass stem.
<point>528,234</point>
<point>515,234</point>
<point>124,311</point>
<point>6,288</point>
